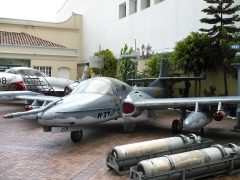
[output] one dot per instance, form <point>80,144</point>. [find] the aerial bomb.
<point>142,148</point>
<point>187,159</point>
<point>122,158</point>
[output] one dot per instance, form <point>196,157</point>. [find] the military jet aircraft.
<point>37,81</point>
<point>25,78</point>
<point>102,99</point>
<point>93,101</point>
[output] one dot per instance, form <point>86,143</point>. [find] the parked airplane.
<point>101,99</point>
<point>25,78</point>
<point>93,101</point>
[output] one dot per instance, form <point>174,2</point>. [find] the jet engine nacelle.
<point>218,115</point>
<point>130,110</point>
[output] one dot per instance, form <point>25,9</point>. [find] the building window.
<point>44,69</point>
<point>158,1</point>
<point>145,4</point>
<point>132,6</point>
<point>122,10</point>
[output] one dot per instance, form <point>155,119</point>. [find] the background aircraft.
<point>24,78</point>
<point>37,81</point>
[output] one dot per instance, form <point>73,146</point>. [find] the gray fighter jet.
<point>102,99</point>
<point>95,100</point>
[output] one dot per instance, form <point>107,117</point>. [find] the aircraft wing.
<point>25,95</point>
<point>135,103</point>
<point>174,79</point>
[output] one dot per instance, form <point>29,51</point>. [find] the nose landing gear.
<point>76,136</point>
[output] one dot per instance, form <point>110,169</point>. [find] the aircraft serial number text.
<point>3,80</point>
<point>103,115</point>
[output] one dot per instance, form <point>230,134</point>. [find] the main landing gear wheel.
<point>176,127</point>
<point>109,167</point>
<point>76,136</point>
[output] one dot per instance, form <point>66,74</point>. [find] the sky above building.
<point>39,10</point>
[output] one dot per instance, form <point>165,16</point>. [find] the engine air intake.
<point>218,115</point>
<point>128,108</point>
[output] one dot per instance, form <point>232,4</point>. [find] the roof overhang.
<point>30,52</point>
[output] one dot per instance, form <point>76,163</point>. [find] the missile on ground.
<point>197,158</point>
<point>147,147</point>
<point>122,158</point>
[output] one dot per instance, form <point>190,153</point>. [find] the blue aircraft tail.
<point>159,82</point>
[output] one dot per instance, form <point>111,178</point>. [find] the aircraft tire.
<point>109,167</point>
<point>76,136</point>
<point>176,126</point>
<point>202,131</point>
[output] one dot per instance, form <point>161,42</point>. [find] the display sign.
<point>235,46</point>
<point>96,62</point>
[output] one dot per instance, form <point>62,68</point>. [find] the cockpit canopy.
<point>100,85</point>
<point>25,71</point>
<point>95,86</point>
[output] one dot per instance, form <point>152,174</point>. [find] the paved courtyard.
<point>26,152</point>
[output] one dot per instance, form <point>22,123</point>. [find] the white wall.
<point>160,25</point>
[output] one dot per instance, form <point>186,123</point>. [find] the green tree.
<point>153,64</point>
<point>222,20</point>
<point>146,51</point>
<point>109,63</point>
<point>193,54</point>
<point>127,68</point>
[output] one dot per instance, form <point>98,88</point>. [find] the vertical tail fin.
<point>163,68</point>
<point>163,73</point>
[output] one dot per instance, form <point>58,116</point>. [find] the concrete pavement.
<point>26,152</point>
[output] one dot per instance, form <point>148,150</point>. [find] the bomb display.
<point>121,158</point>
<point>216,159</point>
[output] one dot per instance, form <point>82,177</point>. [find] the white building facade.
<point>113,23</point>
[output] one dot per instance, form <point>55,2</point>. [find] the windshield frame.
<point>94,86</point>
